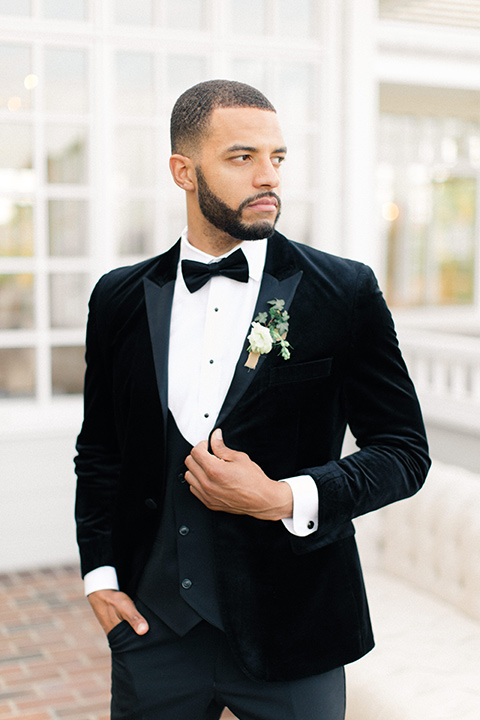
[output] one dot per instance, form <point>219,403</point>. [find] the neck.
<point>204,236</point>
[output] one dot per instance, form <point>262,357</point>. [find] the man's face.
<point>238,173</point>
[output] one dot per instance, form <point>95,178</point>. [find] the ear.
<point>183,172</point>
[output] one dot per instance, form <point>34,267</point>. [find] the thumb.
<point>111,606</point>
<point>138,623</point>
<point>219,448</point>
<point>130,613</point>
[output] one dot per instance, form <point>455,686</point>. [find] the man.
<point>216,583</point>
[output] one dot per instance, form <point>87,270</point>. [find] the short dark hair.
<point>191,113</point>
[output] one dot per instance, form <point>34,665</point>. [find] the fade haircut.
<point>191,113</point>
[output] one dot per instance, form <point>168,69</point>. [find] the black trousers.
<point>161,676</point>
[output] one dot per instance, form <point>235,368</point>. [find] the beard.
<point>224,218</point>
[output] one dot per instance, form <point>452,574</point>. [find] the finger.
<point>197,491</point>
<point>199,455</point>
<point>195,474</point>
<point>111,606</point>
<point>219,449</point>
<point>136,619</point>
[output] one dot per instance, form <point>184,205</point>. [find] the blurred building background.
<point>380,104</point>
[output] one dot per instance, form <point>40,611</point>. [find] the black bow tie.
<point>197,274</point>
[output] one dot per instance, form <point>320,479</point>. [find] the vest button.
<point>184,530</point>
<point>186,584</point>
<point>150,504</point>
<point>310,525</point>
<point>181,478</point>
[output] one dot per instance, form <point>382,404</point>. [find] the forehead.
<point>243,127</point>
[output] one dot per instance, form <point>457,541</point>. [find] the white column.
<point>360,110</point>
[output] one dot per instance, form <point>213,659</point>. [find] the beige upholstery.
<point>422,568</point>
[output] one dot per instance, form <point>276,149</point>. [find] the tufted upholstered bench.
<point>421,560</point>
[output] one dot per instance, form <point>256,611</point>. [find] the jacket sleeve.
<point>97,463</point>
<point>384,416</point>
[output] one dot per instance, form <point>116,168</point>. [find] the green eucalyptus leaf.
<point>262,318</point>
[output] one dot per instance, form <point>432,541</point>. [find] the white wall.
<point>38,489</point>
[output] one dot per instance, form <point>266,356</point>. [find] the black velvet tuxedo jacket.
<point>291,606</point>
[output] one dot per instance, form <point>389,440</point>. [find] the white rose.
<point>260,339</point>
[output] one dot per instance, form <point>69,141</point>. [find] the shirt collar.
<point>255,251</point>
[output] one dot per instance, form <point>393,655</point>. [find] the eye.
<point>241,158</point>
<point>278,160</point>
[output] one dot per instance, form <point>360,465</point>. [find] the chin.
<point>257,231</point>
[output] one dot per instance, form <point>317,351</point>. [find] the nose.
<point>267,175</point>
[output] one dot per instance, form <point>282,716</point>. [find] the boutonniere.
<point>267,332</point>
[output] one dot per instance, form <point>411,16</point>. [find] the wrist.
<point>286,497</point>
<point>280,505</point>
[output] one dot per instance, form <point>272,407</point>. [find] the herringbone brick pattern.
<point>54,659</point>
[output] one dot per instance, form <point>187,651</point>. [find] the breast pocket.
<point>302,372</point>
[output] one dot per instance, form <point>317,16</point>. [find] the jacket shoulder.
<point>125,284</point>
<point>329,268</point>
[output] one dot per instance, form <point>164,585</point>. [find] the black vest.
<point>178,582</point>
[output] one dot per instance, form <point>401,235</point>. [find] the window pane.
<point>241,14</point>
<point>16,227</point>
<point>16,301</point>
<point>135,159</point>
<point>66,87</point>
<point>17,372</point>
<point>16,148</point>
<point>68,369</point>
<point>67,227</point>
<point>15,7</point>
<point>61,10</point>
<point>177,220</point>
<point>297,173</point>
<point>427,196</point>
<point>15,67</point>
<point>135,84</point>
<point>297,91</point>
<point>135,227</point>
<point>296,221</point>
<point>453,240</point>
<point>139,12</point>
<point>250,71</point>
<point>295,19</point>
<point>68,300</point>
<point>183,72</point>
<point>188,14</point>
<point>66,154</point>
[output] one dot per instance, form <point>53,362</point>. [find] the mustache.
<point>259,196</point>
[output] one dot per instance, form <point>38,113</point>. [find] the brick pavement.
<point>54,659</point>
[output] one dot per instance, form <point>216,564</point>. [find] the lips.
<point>266,204</point>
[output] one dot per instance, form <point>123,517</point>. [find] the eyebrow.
<point>248,148</point>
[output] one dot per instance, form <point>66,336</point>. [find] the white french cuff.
<point>305,506</point>
<point>102,578</point>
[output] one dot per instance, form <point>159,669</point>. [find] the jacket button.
<point>151,504</point>
<point>183,530</point>
<point>181,478</point>
<point>186,584</point>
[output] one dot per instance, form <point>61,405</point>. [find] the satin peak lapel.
<point>159,289</point>
<point>270,288</point>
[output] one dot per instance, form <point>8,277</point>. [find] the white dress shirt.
<point>207,334</point>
